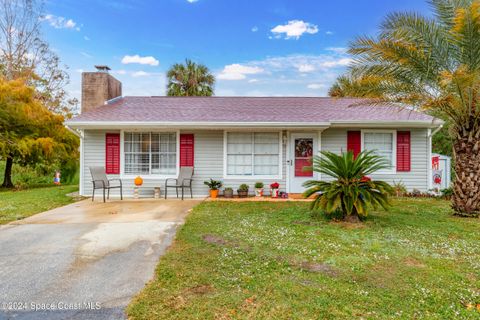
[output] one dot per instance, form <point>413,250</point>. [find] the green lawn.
<point>16,205</point>
<point>275,261</point>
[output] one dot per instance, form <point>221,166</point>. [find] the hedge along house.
<point>240,139</point>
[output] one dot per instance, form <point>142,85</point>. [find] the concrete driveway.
<point>85,260</point>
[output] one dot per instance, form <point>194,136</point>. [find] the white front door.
<point>302,148</point>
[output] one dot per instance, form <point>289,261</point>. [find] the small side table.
<point>135,192</point>
<point>156,192</point>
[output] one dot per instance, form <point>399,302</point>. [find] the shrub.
<point>243,187</point>
<point>350,191</point>
<point>213,184</point>
<point>259,185</point>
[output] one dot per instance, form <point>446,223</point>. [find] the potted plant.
<point>213,185</point>
<point>243,191</point>
<point>274,189</point>
<point>258,189</point>
<point>228,192</point>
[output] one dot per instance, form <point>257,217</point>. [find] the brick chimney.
<point>98,87</point>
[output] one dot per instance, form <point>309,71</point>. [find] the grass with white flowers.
<point>258,260</point>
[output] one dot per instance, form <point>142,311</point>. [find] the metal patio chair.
<point>183,181</point>
<point>100,181</point>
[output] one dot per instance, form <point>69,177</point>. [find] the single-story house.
<point>241,139</point>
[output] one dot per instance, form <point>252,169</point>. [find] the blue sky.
<point>256,48</point>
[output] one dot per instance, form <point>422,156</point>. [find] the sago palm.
<point>350,190</point>
<point>189,79</point>
<point>433,64</point>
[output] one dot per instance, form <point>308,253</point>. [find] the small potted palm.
<point>242,191</point>
<point>213,185</point>
<point>228,192</point>
<point>274,189</point>
<point>259,189</point>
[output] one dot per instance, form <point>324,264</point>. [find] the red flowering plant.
<point>275,185</point>
<point>351,191</point>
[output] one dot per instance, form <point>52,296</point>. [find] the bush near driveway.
<point>257,260</point>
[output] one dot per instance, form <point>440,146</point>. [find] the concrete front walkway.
<point>85,260</point>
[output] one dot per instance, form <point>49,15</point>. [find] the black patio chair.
<point>100,181</point>
<point>183,181</point>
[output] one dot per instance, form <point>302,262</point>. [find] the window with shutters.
<point>383,143</point>
<point>112,153</point>
<point>403,151</point>
<point>150,153</point>
<point>253,154</point>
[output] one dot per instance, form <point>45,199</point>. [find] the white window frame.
<point>393,169</point>
<point>123,175</point>
<point>253,177</point>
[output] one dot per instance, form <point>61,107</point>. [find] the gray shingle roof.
<point>245,109</point>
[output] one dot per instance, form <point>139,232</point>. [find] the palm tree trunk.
<point>466,190</point>
<point>7,178</point>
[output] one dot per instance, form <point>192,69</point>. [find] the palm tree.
<point>189,79</point>
<point>349,86</point>
<point>351,191</point>
<point>433,64</point>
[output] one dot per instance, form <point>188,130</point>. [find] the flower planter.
<point>228,193</point>
<point>274,193</point>
<point>242,193</point>
<point>213,193</point>
<point>259,192</point>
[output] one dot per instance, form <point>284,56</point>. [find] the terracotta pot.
<point>213,193</point>
<point>259,192</point>
<point>138,181</point>
<point>242,193</point>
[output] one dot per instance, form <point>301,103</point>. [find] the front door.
<point>303,146</point>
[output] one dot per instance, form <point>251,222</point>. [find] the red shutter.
<point>354,142</point>
<point>186,150</point>
<point>403,151</point>
<point>112,153</point>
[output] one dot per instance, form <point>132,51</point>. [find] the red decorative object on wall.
<point>354,142</point>
<point>403,151</point>
<point>112,153</point>
<point>187,150</point>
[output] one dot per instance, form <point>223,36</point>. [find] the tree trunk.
<point>7,178</point>
<point>466,189</point>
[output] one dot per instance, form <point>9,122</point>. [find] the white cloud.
<point>255,29</point>
<point>140,60</point>
<point>283,76</point>
<point>137,74</point>
<point>79,70</point>
<point>119,71</point>
<point>60,22</point>
<point>316,86</point>
<point>340,50</point>
<point>191,1</point>
<point>304,68</point>
<point>237,71</point>
<point>86,55</point>
<point>294,29</point>
<point>86,38</point>
<point>328,33</point>
<point>337,63</point>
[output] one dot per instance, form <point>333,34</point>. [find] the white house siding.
<point>335,140</point>
<point>208,164</point>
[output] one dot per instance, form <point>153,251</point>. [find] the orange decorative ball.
<point>138,181</point>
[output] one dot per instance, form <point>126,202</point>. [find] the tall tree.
<point>29,132</point>
<point>25,56</point>
<point>189,79</point>
<point>433,63</point>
